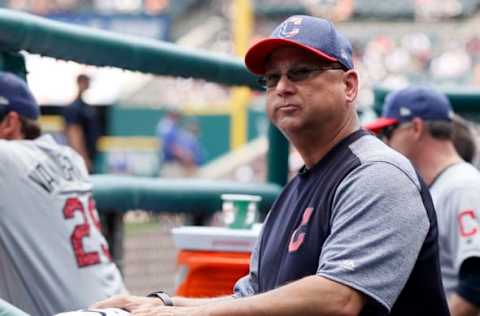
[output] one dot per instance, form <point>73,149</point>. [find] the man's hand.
<point>129,303</point>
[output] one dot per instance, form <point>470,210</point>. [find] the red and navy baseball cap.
<point>416,101</point>
<point>16,96</point>
<point>315,35</point>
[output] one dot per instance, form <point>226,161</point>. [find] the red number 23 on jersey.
<point>82,231</point>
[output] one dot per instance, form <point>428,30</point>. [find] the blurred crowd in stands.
<point>393,59</point>
<point>333,9</point>
<point>418,58</point>
<point>339,10</point>
<point>44,7</point>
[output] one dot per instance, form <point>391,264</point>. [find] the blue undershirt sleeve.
<point>469,281</point>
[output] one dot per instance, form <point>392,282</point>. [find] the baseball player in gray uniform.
<point>417,121</point>
<point>53,257</point>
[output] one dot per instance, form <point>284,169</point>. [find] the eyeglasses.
<point>387,132</point>
<point>296,74</point>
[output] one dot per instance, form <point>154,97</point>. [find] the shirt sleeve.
<point>248,285</point>
<point>378,226</point>
<point>469,281</point>
<point>71,114</point>
<point>465,240</point>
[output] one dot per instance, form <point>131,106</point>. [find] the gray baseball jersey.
<point>53,257</point>
<point>456,197</point>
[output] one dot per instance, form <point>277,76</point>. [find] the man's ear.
<point>11,127</point>
<point>351,85</point>
<point>419,127</point>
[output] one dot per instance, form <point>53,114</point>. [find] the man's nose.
<point>285,85</point>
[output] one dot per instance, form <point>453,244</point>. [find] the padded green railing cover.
<point>7,309</point>
<point>22,31</point>
<point>37,35</point>
<point>122,193</point>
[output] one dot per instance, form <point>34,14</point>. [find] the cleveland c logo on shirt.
<point>468,223</point>
<point>298,235</point>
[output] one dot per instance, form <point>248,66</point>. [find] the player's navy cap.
<point>315,35</point>
<point>16,96</point>
<point>404,105</point>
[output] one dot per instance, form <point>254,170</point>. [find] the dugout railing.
<point>116,195</point>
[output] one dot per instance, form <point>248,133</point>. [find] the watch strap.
<point>164,297</point>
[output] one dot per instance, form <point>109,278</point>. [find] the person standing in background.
<point>82,126</point>
<point>180,151</point>
<point>190,143</point>
<point>419,123</point>
<point>464,139</point>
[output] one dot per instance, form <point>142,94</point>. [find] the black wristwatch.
<point>164,297</point>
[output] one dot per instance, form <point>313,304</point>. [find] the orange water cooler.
<point>211,259</point>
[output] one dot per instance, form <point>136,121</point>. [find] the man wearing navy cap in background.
<point>417,122</point>
<point>354,233</point>
<point>53,257</point>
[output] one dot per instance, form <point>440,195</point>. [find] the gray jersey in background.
<point>456,197</point>
<point>53,257</point>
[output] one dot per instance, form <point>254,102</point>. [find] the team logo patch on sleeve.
<point>348,265</point>
<point>468,223</point>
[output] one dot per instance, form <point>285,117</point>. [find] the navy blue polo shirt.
<point>361,217</point>
<point>85,115</point>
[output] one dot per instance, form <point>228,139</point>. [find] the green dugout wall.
<point>132,129</point>
<point>214,127</point>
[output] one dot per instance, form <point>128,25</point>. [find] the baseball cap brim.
<point>379,124</point>
<point>257,55</point>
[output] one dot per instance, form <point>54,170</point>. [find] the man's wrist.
<point>164,297</point>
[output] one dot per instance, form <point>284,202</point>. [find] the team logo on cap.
<point>291,27</point>
<point>344,54</point>
<point>4,101</point>
<point>404,111</point>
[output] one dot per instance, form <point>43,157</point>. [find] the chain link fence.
<point>149,252</point>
